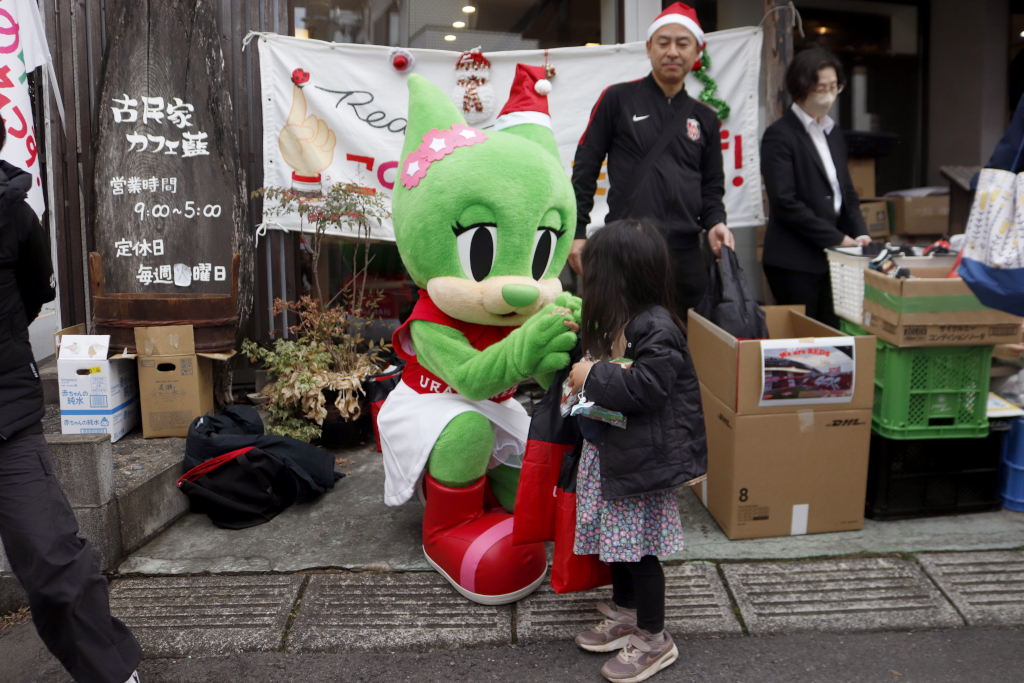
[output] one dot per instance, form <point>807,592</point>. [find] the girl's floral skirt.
<point>622,530</point>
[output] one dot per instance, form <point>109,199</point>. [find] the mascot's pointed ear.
<point>526,112</point>
<point>429,108</point>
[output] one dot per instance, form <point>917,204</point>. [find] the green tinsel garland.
<point>707,95</point>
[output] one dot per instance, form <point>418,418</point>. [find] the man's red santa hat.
<point>528,100</point>
<point>685,16</point>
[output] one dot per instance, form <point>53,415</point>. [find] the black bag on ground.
<point>239,489</point>
<point>729,302</point>
<point>310,469</point>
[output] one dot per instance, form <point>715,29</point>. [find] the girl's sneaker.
<point>612,633</point>
<point>643,656</point>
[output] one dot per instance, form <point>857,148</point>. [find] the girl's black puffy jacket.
<point>664,444</point>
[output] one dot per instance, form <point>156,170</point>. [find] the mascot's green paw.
<point>573,303</point>
<point>540,337</point>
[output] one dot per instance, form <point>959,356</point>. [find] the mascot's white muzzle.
<point>501,300</point>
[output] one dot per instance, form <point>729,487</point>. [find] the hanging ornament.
<point>473,94</point>
<point>401,59</point>
<point>543,86</point>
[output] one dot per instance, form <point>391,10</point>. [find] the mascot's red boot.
<point>473,548</point>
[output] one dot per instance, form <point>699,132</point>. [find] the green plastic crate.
<point>852,329</point>
<point>938,392</point>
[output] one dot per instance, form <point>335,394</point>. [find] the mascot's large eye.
<point>543,250</point>
<point>476,248</point>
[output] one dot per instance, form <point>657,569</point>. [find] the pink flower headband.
<point>436,145</point>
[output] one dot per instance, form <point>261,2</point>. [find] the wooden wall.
<point>77,31</point>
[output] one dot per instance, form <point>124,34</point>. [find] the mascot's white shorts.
<point>410,424</point>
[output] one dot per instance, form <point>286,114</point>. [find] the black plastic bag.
<point>239,489</point>
<point>729,302</point>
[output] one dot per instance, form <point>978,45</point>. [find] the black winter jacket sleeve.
<point>25,285</point>
<point>34,271</point>
<point>664,444</point>
<point>590,154</point>
<point>645,386</point>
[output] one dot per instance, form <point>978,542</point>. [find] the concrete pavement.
<point>350,528</point>
<point>954,656</point>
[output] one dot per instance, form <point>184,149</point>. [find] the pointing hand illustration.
<point>307,144</point>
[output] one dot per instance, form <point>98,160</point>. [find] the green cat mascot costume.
<point>484,221</point>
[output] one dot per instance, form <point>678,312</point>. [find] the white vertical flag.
<point>23,48</point>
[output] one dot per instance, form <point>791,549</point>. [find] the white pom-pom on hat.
<point>543,86</point>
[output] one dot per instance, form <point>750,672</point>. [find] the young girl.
<point>626,505</point>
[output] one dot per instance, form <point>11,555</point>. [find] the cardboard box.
<point>932,310</point>
<point>862,172</point>
<point>175,382</point>
<point>921,215</point>
<point>801,472</point>
<point>877,217</point>
<point>98,395</point>
<point>732,369</point>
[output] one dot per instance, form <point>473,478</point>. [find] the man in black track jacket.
<point>66,592</point>
<point>682,191</point>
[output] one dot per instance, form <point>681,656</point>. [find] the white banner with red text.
<point>361,99</point>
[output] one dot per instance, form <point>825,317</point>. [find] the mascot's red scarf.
<point>479,336</point>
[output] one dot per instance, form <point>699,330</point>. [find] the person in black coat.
<point>627,511</point>
<point>811,201</point>
<point>67,594</point>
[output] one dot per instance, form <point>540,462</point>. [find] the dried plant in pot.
<point>317,375</point>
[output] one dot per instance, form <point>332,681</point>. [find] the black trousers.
<point>811,290</point>
<point>67,594</point>
<point>691,276</point>
<point>641,586</point>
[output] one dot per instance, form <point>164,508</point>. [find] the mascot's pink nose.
<point>518,296</point>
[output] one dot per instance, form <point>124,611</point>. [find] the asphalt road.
<point>974,656</point>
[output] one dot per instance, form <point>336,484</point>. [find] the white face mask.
<point>818,104</point>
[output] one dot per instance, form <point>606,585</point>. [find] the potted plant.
<point>316,391</point>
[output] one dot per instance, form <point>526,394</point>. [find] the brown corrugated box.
<point>973,326</point>
<point>801,472</point>
<point>877,216</point>
<point>862,173</point>
<point>921,215</point>
<point>731,368</point>
<point>175,382</point>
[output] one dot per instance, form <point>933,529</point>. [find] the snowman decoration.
<point>473,94</point>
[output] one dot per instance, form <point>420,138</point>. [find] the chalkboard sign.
<point>170,196</point>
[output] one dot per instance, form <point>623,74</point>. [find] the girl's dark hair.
<point>802,74</point>
<point>626,270</point>
<point>3,132</point>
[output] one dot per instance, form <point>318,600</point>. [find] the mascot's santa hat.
<point>685,16</point>
<point>528,100</point>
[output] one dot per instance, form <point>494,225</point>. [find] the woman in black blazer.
<point>811,201</point>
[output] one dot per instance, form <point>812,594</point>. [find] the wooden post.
<point>778,52</point>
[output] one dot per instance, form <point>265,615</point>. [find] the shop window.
<point>504,24</point>
<point>337,21</point>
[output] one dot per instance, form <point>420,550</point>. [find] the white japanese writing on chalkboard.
<point>180,274</point>
<point>155,109</point>
<point>135,185</point>
<point>126,247</point>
